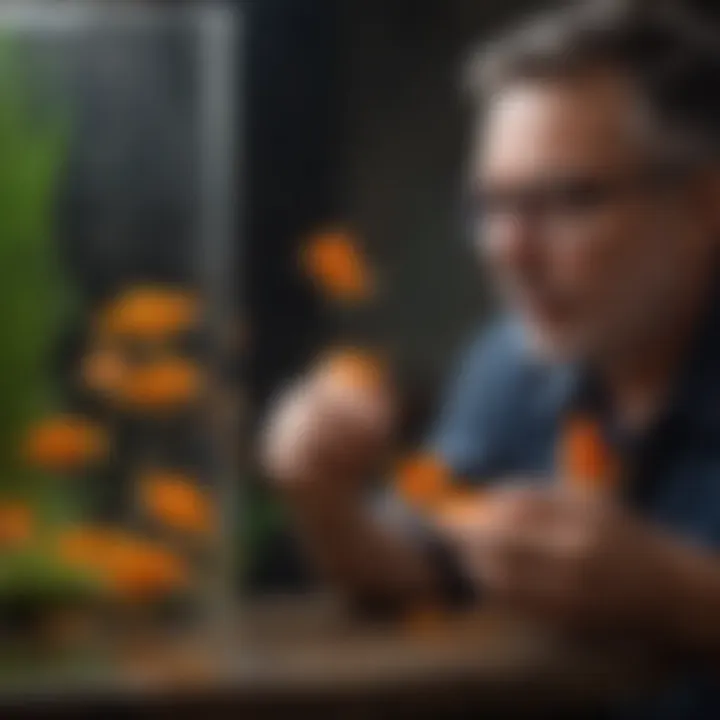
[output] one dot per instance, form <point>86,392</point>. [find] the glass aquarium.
<point>119,325</point>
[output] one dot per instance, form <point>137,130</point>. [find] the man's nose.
<point>512,239</point>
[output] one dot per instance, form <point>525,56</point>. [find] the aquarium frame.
<point>220,32</point>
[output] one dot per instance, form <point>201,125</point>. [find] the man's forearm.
<point>360,552</point>
<point>692,610</point>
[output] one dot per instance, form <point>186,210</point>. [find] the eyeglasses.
<point>570,197</point>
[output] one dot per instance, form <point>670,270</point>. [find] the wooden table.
<point>307,657</point>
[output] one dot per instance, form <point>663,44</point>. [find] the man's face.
<point>584,242</point>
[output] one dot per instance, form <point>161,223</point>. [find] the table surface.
<point>284,655</point>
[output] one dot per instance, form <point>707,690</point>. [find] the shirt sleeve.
<point>476,417</point>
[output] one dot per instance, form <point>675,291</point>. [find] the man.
<point>597,182</point>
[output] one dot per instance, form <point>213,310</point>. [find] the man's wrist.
<point>691,607</point>
<point>323,503</point>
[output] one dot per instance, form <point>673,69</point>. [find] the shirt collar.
<point>694,402</point>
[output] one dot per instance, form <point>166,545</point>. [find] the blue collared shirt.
<point>503,417</point>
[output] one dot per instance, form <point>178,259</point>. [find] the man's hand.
<point>584,563</point>
<point>324,433</point>
<point>323,438</point>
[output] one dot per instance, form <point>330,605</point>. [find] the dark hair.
<point>669,49</point>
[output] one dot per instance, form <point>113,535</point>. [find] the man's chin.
<point>553,345</point>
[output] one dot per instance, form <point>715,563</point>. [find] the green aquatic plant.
<point>34,294</point>
<point>35,304</point>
